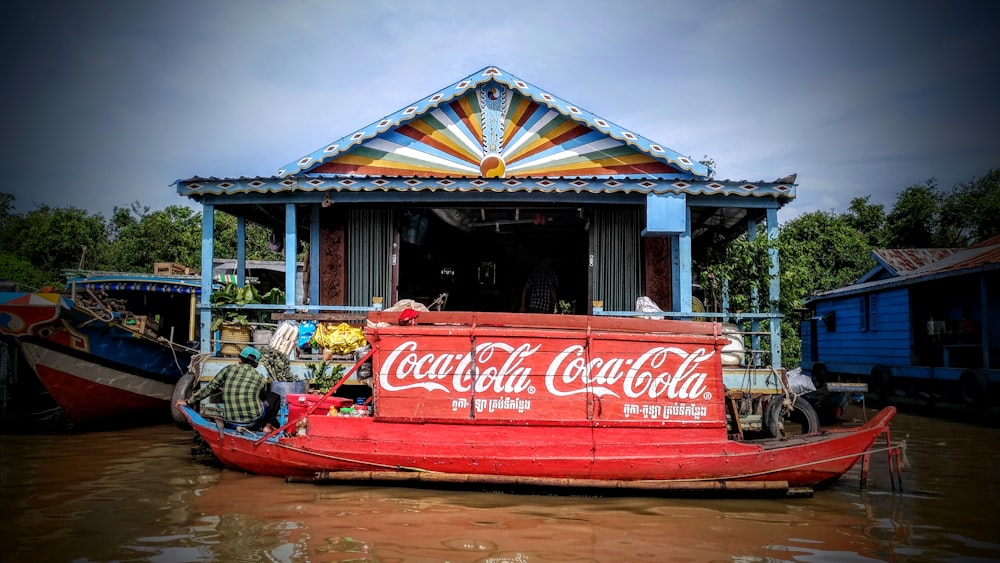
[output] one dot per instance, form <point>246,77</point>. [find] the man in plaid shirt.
<point>539,294</point>
<point>242,388</point>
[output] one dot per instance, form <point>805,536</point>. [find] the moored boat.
<point>111,348</point>
<point>545,400</point>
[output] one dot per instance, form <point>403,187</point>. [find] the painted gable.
<point>494,125</point>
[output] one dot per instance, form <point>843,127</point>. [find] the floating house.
<point>922,320</point>
<point>462,193</point>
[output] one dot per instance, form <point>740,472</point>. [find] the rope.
<point>360,462</point>
<point>900,447</point>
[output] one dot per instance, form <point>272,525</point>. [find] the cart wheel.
<point>781,421</point>
<point>182,390</point>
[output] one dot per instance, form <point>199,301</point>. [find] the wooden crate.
<point>172,269</point>
<point>141,324</point>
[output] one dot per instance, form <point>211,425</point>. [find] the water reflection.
<point>136,495</point>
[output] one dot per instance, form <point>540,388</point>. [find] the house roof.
<point>980,258</point>
<point>892,262</point>
<point>493,124</point>
<point>490,133</point>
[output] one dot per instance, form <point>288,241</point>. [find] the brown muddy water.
<point>137,495</point>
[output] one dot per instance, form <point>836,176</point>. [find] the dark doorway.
<point>481,257</point>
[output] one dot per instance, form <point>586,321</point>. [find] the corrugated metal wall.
<point>616,236</point>
<point>369,256</point>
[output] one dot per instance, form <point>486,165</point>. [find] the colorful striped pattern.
<point>536,141</point>
<point>492,124</point>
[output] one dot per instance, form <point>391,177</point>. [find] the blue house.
<point>923,320</point>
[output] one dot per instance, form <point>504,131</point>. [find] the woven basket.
<point>234,338</point>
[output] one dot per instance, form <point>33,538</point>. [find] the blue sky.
<point>108,102</point>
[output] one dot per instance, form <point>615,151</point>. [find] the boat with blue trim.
<point>110,348</point>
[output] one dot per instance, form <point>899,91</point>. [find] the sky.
<point>108,102</point>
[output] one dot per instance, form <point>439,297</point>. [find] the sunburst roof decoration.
<point>492,124</point>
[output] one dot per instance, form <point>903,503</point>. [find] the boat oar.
<point>311,409</point>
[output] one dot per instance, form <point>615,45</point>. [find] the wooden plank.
<point>325,316</point>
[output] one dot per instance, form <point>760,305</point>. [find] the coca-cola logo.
<point>502,367</point>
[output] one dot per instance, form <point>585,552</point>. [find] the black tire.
<point>974,388</point>
<point>781,422</point>
<point>182,390</point>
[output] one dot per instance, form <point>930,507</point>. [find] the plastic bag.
<point>342,339</point>
<point>285,337</point>
<point>306,332</point>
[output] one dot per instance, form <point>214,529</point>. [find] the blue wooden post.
<point>207,263</point>
<point>774,290</point>
<point>291,244</point>
<point>754,301</point>
<point>684,275</point>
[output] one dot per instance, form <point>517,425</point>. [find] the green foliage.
<point>914,218</point>
<point>22,272</point>
<point>322,376</point>
<point>971,212</point>
<point>868,219</point>
<point>258,239</point>
<point>139,237</point>
<point>232,294</point>
<point>742,265</point>
<point>821,251</point>
<point>52,240</point>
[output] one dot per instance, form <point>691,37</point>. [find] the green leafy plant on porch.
<point>233,294</point>
<point>322,379</point>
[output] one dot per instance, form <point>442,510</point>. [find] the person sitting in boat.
<point>242,389</point>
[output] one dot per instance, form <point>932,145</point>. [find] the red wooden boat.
<point>547,400</point>
<point>106,367</point>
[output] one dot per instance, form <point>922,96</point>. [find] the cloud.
<point>113,100</point>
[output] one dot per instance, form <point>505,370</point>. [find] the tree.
<point>972,211</point>
<point>140,238</point>
<point>913,221</point>
<point>868,219</point>
<point>821,251</point>
<point>258,239</point>
<point>56,239</point>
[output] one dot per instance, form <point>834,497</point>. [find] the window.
<point>869,312</point>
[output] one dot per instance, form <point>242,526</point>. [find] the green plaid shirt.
<point>241,391</point>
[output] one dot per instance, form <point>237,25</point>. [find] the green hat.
<point>250,353</point>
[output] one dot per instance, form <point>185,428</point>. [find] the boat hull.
<point>575,455</point>
<point>495,397</point>
<point>92,392</point>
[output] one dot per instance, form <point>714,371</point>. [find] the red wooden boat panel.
<point>88,392</point>
<point>547,375</point>
<point>23,313</point>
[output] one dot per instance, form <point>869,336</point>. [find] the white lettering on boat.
<point>502,372</point>
<point>604,374</point>
<point>507,368</point>
<point>665,411</point>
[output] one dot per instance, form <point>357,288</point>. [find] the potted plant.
<point>234,323</point>
<point>278,368</point>
<point>322,379</point>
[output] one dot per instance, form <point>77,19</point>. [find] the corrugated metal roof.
<point>198,186</point>
<point>904,260</point>
<point>980,258</point>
